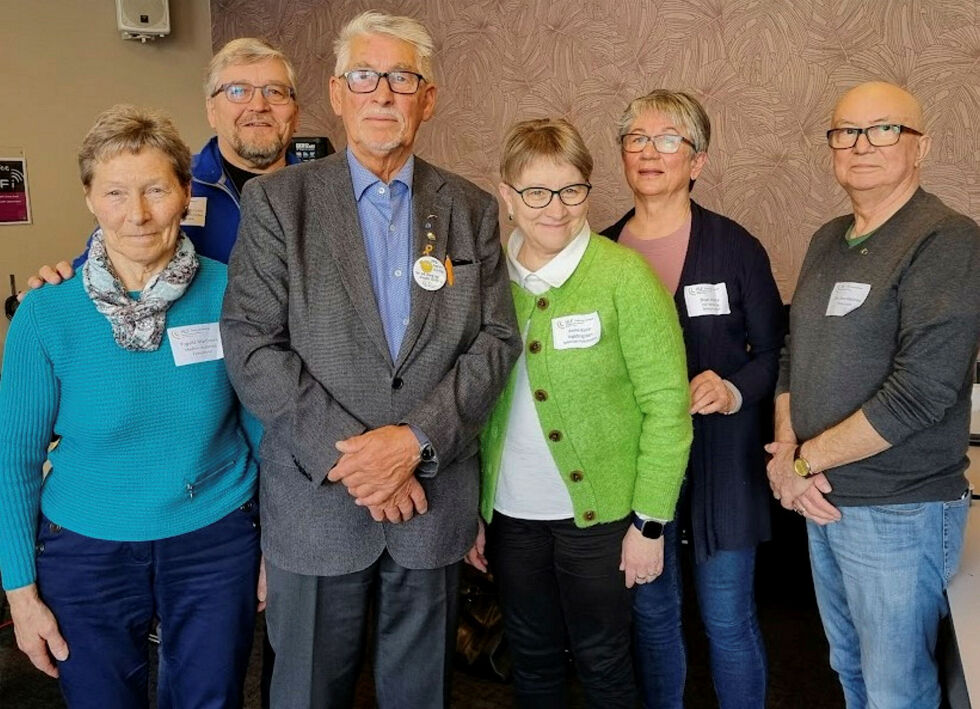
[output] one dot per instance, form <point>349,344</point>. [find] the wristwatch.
<point>801,466</point>
<point>426,453</point>
<point>649,528</point>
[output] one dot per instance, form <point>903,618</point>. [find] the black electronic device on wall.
<point>11,303</point>
<point>312,148</point>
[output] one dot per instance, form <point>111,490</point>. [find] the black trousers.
<point>561,588</point>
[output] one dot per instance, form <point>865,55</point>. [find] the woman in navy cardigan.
<point>733,322</point>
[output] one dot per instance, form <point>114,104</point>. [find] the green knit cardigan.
<point>615,415</point>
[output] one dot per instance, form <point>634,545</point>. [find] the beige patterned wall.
<point>768,72</point>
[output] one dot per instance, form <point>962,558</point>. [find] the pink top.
<point>665,255</point>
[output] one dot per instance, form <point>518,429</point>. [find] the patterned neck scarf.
<point>137,325</point>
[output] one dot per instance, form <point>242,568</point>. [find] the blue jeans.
<point>105,594</point>
<point>880,577</point>
<point>726,597</point>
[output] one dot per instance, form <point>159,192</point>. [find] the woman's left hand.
<point>643,559</point>
<point>709,394</point>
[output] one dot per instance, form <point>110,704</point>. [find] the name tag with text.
<point>847,296</point>
<point>706,299</point>
<point>197,211</point>
<point>192,344</point>
<point>576,331</point>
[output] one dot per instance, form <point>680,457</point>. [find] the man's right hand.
<point>407,501</point>
<point>52,275</point>
<point>36,629</point>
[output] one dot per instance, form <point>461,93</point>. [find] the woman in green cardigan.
<point>584,453</point>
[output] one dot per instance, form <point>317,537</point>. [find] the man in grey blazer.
<point>368,323</point>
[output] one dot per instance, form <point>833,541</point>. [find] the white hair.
<point>400,27</point>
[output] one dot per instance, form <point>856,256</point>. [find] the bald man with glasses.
<point>873,403</point>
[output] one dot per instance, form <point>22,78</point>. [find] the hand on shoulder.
<point>50,275</point>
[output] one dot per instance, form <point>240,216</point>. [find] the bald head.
<point>882,103</point>
<point>886,173</point>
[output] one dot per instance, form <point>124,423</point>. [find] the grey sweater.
<point>904,356</point>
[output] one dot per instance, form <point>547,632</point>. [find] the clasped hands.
<point>803,495</point>
<point>378,469</point>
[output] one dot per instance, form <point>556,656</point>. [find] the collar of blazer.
<point>337,218</point>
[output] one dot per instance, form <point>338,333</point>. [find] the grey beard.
<point>261,156</point>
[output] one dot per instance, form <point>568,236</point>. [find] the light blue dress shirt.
<point>385,213</point>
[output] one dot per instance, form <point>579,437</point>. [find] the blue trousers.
<point>105,596</point>
<point>726,598</point>
<point>880,576</point>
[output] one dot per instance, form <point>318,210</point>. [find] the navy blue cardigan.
<point>726,500</point>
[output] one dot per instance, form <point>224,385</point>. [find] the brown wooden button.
<point>576,476</point>
<point>534,347</point>
<point>589,515</point>
<point>555,436</point>
<point>540,395</point>
<point>542,303</point>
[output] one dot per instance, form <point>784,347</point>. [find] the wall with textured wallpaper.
<point>768,72</point>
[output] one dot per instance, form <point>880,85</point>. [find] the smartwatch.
<point>649,528</point>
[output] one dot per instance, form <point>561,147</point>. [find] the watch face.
<point>801,467</point>
<point>652,530</point>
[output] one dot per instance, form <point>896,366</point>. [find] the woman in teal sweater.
<point>584,453</point>
<point>147,511</point>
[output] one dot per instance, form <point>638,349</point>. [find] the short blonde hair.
<point>679,106</point>
<point>131,129</point>
<point>553,138</point>
<point>244,50</point>
<point>406,29</point>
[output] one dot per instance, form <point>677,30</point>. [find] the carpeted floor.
<point>799,675</point>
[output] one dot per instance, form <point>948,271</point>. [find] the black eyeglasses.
<point>241,92</point>
<point>540,197</point>
<point>663,143</point>
<point>364,81</point>
<point>880,135</point>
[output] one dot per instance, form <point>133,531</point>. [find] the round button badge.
<point>429,273</point>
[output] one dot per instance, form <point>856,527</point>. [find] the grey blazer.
<point>306,351</point>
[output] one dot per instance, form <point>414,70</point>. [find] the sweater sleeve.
<point>653,349</point>
<point>764,326</point>
<point>28,407</point>
<point>937,340</point>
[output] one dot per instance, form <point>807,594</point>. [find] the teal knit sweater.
<point>615,414</point>
<point>148,450</point>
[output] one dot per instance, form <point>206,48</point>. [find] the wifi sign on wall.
<point>14,204</point>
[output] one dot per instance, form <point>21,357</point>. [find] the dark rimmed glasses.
<point>663,143</point>
<point>241,92</point>
<point>540,197</point>
<point>880,135</point>
<point>364,81</point>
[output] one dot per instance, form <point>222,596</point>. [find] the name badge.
<point>576,331</point>
<point>197,211</point>
<point>706,299</point>
<point>847,296</point>
<point>192,344</point>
